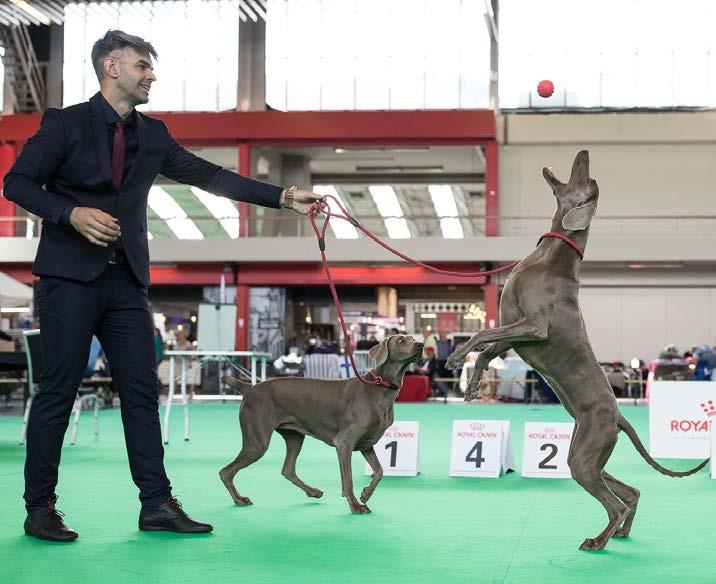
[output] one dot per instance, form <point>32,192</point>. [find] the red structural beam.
<point>7,208</point>
<point>313,275</point>
<point>209,274</point>
<point>335,128</point>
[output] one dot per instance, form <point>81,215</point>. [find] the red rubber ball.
<point>545,88</point>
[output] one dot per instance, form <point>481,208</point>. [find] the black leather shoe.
<point>170,516</point>
<point>48,524</point>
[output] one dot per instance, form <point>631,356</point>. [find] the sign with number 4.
<point>398,450</point>
<point>546,448</point>
<point>480,448</point>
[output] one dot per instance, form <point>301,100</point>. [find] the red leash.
<point>321,206</point>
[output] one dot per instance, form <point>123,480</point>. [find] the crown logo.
<point>709,408</point>
<point>549,430</point>
<point>477,426</point>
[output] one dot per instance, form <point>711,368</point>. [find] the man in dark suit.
<point>97,161</point>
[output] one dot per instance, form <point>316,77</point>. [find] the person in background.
<point>431,340</point>
<point>183,344</point>
<point>429,366</point>
<point>158,345</point>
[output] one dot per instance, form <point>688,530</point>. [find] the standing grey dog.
<point>348,414</point>
<point>540,319</point>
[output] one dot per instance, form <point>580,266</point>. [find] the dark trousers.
<point>116,309</point>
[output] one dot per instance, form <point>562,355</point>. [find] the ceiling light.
<point>341,228</point>
<point>162,203</point>
<point>443,200</point>
<point>446,208</point>
<point>222,209</point>
<point>389,208</point>
<point>451,228</point>
<point>398,169</point>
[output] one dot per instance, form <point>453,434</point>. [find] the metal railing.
<point>281,224</point>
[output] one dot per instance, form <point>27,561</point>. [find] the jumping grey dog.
<point>347,413</point>
<point>540,319</point>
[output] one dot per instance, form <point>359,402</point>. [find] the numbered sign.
<point>545,450</point>
<point>398,450</point>
<point>713,451</point>
<point>480,448</point>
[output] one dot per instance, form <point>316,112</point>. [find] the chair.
<point>33,351</point>
<point>322,366</point>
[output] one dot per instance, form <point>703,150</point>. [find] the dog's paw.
<point>621,533</point>
<point>360,509</point>
<point>590,544</point>
<point>454,362</point>
<point>241,501</point>
<point>365,495</point>
<point>315,493</point>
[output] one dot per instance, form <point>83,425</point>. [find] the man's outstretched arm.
<point>185,167</point>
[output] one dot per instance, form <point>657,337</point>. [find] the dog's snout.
<point>418,345</point>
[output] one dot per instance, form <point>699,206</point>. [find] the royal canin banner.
<point>680,417</point>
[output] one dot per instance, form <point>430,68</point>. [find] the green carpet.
<point>431,528</point>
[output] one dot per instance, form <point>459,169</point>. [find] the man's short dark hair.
<point>117,39</point>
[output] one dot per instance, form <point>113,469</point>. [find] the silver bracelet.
<point>288,195</point>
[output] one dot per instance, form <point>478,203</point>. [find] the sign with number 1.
<point>545,450</point>
<point>480,448</point>
<point>398,450</point>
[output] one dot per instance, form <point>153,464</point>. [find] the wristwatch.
<point>287,196</point>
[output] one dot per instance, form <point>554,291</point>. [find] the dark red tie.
<point>118,148</point>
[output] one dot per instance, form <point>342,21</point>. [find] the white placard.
<point>480,448</point>
<point>545,450</point>
<point>680,413</point>
<point>398,450</point>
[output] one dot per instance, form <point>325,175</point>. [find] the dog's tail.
<point>236,384</point>
<point>634,437</point>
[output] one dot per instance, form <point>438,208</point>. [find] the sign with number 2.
<point>546,448</point>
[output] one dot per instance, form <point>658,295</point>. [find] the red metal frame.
<point>437,127</point>
<point>7,208</point>
<point>244,167</point>
<point>311,274</point>
<point>492,305</point>
<point>492,200</point>
<point>250,129</point>
<point>242,318</point>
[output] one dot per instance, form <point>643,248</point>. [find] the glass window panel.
<point>372,54</point>
<point>187,79</point>
<point>654,54</point>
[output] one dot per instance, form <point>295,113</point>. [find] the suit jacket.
<point>70,156</point>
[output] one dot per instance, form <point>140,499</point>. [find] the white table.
<point>255,359</point>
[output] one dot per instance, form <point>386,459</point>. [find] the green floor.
<point>431,528</point>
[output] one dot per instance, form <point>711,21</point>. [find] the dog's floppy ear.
<point>379,353</point>
<point>580,217</point>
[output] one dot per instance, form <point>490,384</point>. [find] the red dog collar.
<point>380,381</point>
<point>566,240</point>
